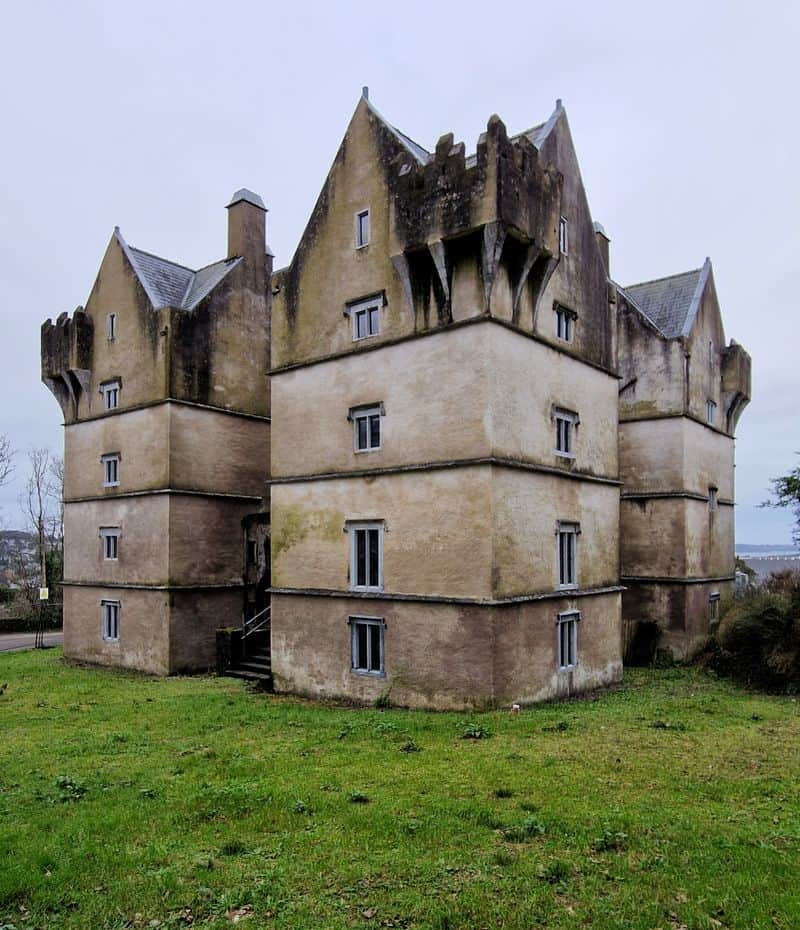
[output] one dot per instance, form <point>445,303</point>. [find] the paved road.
<point>9,641</point>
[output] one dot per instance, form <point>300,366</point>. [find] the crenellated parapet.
<point>500,205</point>
<point>736,383</point>
<point>67,347</point>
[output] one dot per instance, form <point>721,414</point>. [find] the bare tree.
<point>6,460</point>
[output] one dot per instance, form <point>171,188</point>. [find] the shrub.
<point>473,731</point>
<point>758,639</point>
<point>529,828</point>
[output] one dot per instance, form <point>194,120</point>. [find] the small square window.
<point>711,412</point>
<point>563,236</point>
<point>366,556</point>
<point>110,615</point>
<point>567,554</point>
<point>565,423</point>
<point>713,501</point>
<point>366,428</point>
<point>110,463</point>
<point>567,630</point>
<point>565,323</point>
<point>367,639</point>
<point>110,537</point>
<point>362,229</point>
<point>111,326</point>
<point>366,320</point>
<point>110,391</point>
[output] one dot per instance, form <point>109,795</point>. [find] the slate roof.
<point>671,303</point>
<point>169,284</point>
<point>421,154</point>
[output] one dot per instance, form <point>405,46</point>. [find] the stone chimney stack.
<point>247,236</point>
<point>603,243</point>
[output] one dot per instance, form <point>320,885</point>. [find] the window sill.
<point>363,673</point>
<point>567,587</point>
<point>362,590</point>
<point>567,668</point>
<point>363,451</point>
<point>569,456</point>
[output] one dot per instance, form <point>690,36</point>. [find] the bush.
<point>758,639</point>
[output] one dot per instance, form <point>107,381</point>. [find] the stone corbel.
<point>400,263</point>
<point>540,274</point>
<point>530,257</point>
<point>494,235</point>
<point>437,254</point>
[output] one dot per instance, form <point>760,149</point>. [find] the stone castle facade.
<point>459,463</point>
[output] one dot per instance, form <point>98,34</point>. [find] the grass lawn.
<point>125,801</point>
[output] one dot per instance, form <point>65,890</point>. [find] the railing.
<point>255,624</point>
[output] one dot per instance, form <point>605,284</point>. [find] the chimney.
<point>602,243</point>
<point>247,235</point>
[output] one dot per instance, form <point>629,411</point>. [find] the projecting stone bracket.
<point>494,235</point>
<point>438,255</point>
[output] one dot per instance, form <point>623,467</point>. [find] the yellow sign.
<point>44,594</point>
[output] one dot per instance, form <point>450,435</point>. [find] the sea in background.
<point>764,560</point>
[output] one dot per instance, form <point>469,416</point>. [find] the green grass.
<point>131,802</point>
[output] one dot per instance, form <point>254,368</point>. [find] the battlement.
<point>66,358</point>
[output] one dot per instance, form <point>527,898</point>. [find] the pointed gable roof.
<point>419,153</point>
<point>169,284</point>
<point>672,302</point>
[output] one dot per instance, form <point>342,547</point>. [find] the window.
<point>711,412</point>
<point>565,320</point>
<point>110,538</point>
<point>563,236</point>
<point>111,326</point>
<point>567,629</point>
<point>252,551</point>
<point>110,612</point>
<point>567,555</point>
<point>366,319</point>
<point>110,469</point>
<point>713,607</point>
<point>366,428</point>
<point>110,391</point>
<point>367,645</point>
<point>712,498</point>
<point>366,556</point>
<point>362,229</point>
<point>565,422</point>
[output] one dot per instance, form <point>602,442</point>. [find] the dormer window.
<point>362,229</point>
<point>563,236</point>
<point>111,326</point>
<point>565,323</point>
<point>110,391</point>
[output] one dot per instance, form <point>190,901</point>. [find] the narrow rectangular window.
<point>567,631</point>
<point>110,463</point>
<point>362,228</point>
<point>110,537</point>
<point>565,423</point>
<point>367,645</point>
<point>252,551</point>
<point>567,555</point>
<point>110,615</point>
<point>366,556</point>
<point>712,498</point>
<point>111,326</point>
<point>367,428</point>
<point>713,607</point>
<point>564,323</point>
<point>110,391</point>
<point>563,236</point>
<point>711,412</point>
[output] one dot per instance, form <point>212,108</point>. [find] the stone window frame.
<point>111,475</point>
<point>565,320</point>
<point>713,607</point>
<point>366,412</point>
<point>567,533</point>
<point>567,639</point>
<point>353,528</point>
<point>110,611</point>
<point>110,542</point>
<point>563,235</point>
<point>111,327</point>
<point>565,434</point>
<point>110,391</point>
<point>363,625</point>
<point>362,229</point>
<point>713,497</point>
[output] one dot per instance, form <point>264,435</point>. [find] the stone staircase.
<point>255,662</point>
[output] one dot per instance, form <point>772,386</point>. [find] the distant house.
<point>445,447</point>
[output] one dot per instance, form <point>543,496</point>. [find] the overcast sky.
<point>149,116</point>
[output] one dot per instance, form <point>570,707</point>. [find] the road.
<point>11,641</point>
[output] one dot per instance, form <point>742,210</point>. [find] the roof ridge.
<point>161,258</point>
<point>668,277</point>
<point>635,304</point>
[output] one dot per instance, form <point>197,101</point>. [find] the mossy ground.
<point>127,801</point>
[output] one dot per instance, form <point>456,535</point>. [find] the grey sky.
<point>150,115</point>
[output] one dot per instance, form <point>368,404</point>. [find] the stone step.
<point>263,678</point>
<point>250,665</point>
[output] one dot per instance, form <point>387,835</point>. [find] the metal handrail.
<point>255,624</point>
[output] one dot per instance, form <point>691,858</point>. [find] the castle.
<point>443,452</point>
